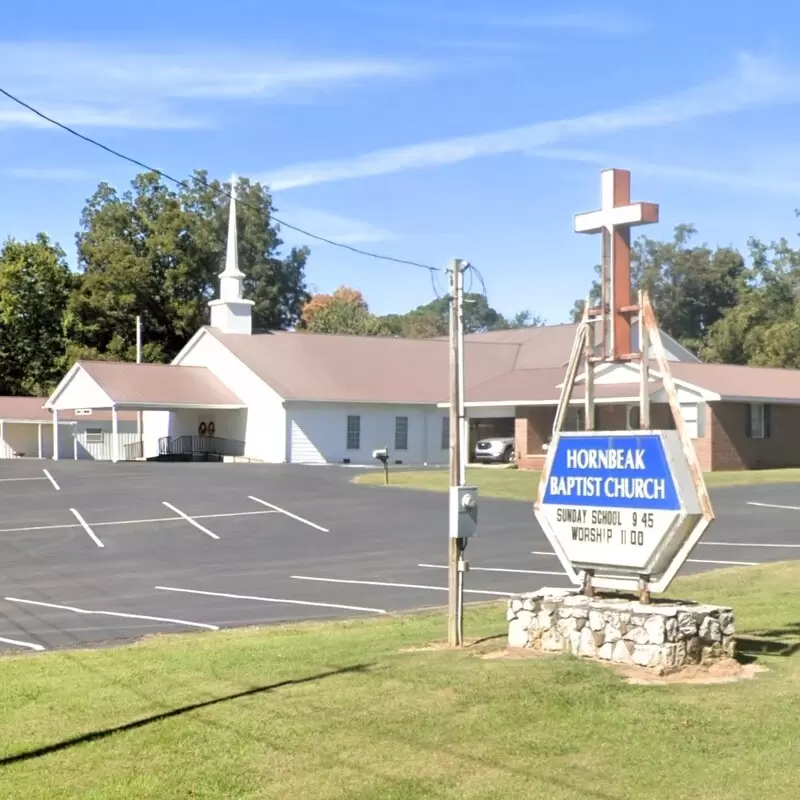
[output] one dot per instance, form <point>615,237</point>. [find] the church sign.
<point>622,504</point>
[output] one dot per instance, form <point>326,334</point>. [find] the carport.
<point>27,431</point>
<point>169,400</point>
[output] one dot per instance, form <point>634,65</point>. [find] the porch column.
<point>75,441</point>
<point>55,434</point>
<point>40,440</point>
<point>3,435</point>
<point>114,435</point>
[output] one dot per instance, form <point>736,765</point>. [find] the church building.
<point>297,397</point>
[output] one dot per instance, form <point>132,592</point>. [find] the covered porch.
<point>177,410</point>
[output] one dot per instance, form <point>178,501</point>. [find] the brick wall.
<point>533,427</point>
<point>733,450</point>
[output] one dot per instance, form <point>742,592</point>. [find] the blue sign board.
<point>611,471</point>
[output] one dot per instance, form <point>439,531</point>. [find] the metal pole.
<point>462,415</point>
<point>454,625</point>
<point>139,361</point>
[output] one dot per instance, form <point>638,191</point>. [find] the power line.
<point>179,182</point>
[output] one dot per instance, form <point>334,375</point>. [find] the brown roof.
<point>159,384</point>
<point>307,366</point>
<point>31,409</point>
<point>732,381</point>
<point>543,386</point>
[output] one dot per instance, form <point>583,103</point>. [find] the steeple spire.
<point>232,251</point>
<point>231,313</point>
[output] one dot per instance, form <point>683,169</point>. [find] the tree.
<point>764,327</point>
<point>35,285</point>
<point>690,287</point>
<point>479,317</point>
<point>343,312</point>
<point>157,252</point>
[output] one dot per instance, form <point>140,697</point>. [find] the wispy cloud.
<point>754,83</point>
<point>770,183</point>
<point>337,227</point>
<point>595,22</point>
<point>116,87</point>
<point>486,45</point>
<point>46,173</point>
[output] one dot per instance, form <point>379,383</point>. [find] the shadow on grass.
<point>759,643</point>
<point>175,712</point>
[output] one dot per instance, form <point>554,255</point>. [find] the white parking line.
<point>190,520</point>
<point>399,585</point>
<point>496,569</point>
<point>288,514</point>
<point>87,528</point>
<point>746,544</point>
<point>775,505</point>
<point>688,560</point>
<point>12,480</point>
<point>134,521</point>
<point>271,599</point>
<point>21,644</point>
<point>52,480</point>
<point>112,613</point>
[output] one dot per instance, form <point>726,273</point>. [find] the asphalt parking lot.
<point>95,552</point>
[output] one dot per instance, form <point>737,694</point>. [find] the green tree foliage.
<point>35,286</point>
<point>691,286</point>
<point>479,317</point>
<point>156,252</point>
<point>764,326</point>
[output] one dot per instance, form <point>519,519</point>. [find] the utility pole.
<point>455,626</point>
<point>139,361</point>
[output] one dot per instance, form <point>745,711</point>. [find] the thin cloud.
<point>749,181</point>
<point>116,87</point>
<point>333,226</point>
<point>605,22</point>
<point>754,83</point>
<point>46,173</point>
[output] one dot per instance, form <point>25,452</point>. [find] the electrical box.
<point>463,511</point>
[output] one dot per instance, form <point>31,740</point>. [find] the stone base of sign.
<point>663,637</point>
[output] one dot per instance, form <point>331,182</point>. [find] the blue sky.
<point>420,129</point>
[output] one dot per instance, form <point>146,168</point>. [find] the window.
<point>445,433</point>
<point>94,436</point>
<point>758,421</point>
<point>575,419</point>
<point>401,433</point>
<point>353,433</point>
<point>691,419</point>
<point>634,418</point>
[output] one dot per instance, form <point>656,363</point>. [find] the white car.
<point>497,448</point>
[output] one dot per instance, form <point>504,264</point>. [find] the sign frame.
<point>689,512</point>
<point>585,348</point>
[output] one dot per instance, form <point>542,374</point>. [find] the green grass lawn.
<point>515,484</point>
<point>356,710</point>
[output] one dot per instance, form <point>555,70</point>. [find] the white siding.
<point>19,438</point>
<point>103,450</point>
<point>82,392</point>
<point>318,433</point>
<point>263,425</point>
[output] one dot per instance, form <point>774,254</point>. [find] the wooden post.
<point>55,434</point>
<point>644,373</point>
<point>114,435</point>
<point>454,621</point>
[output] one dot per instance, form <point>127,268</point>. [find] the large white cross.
<point>616,209</point>
<point>617,215</point>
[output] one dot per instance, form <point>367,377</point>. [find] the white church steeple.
<point>231,313</point>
